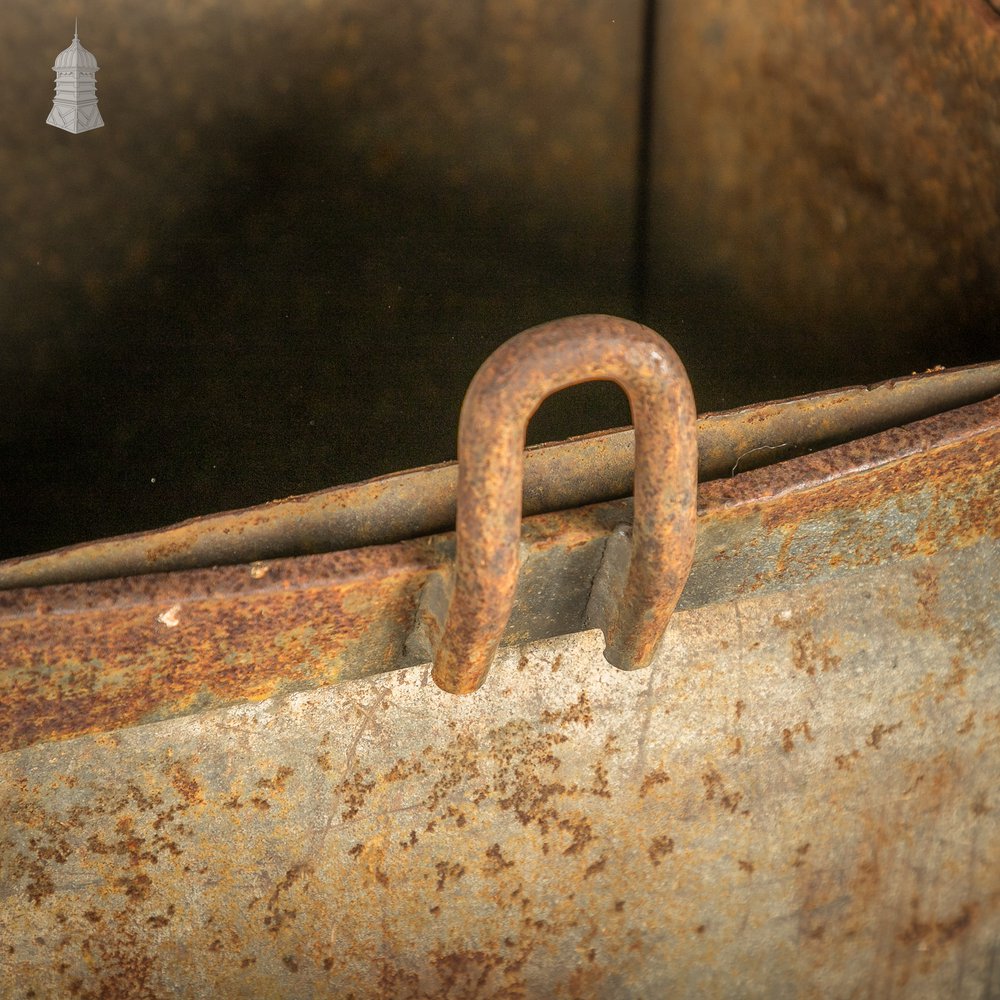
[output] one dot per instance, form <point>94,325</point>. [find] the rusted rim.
<point>504,394</point>
<point>592,468</point>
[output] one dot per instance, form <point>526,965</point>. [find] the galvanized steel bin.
<point>235,776</point>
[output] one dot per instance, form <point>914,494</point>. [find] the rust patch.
<point>872,472</point>
<point>799,729</point>
<point>580,831</point>
<point>716,790</point>
<point>880,731</point>
<point>124,970</point>
<point>579,712</point>
<point>980,806</point>
<point>279,913</point>
<point>498,861</point>
<point>659,848</point>
<point>94,657</point>
<point>352,791</point>
<point>931,934</point>
<point>185,784</point>
<point>39,882</point>
<point>810,656</point>
<point>652,780</point>
<point>929,595</point>
<point>135,887</point>
<point>161,920</point>
<point>800,854</point>
<point>448,872</point>
<point>600,787</point>
<point>277,783</point>
<point>958,673</point>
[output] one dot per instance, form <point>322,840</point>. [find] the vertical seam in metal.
<point>644,158</point>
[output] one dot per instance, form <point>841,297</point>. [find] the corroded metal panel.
<point>829,169</point>
<point>798,800</point>
<point>84,658</point>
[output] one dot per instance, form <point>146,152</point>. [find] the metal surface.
<point>826,173</point>
<point>280,179</point>
<point>585,470</point>
<point>241,781</point>
<point>89,658</point>
<point>797,800</point>
<point>506,391</point>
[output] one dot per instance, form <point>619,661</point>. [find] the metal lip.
<point>102,655</point>
<point>591,468</point>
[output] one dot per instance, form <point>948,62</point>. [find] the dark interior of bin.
<point>305,224</point>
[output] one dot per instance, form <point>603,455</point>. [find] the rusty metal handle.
<point>506,391</point>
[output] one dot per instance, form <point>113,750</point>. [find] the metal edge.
<point>557,476</point>
<point>92,657</point>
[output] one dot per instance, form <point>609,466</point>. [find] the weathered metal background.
<point>292,201</point>
<point>295,199</point>
<point>827,172</point>
<point>798,799</point>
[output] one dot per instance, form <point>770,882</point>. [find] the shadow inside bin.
<point>314,316</point>
<point>310,322</point>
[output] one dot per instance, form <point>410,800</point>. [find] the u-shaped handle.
<point>506,391</point>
